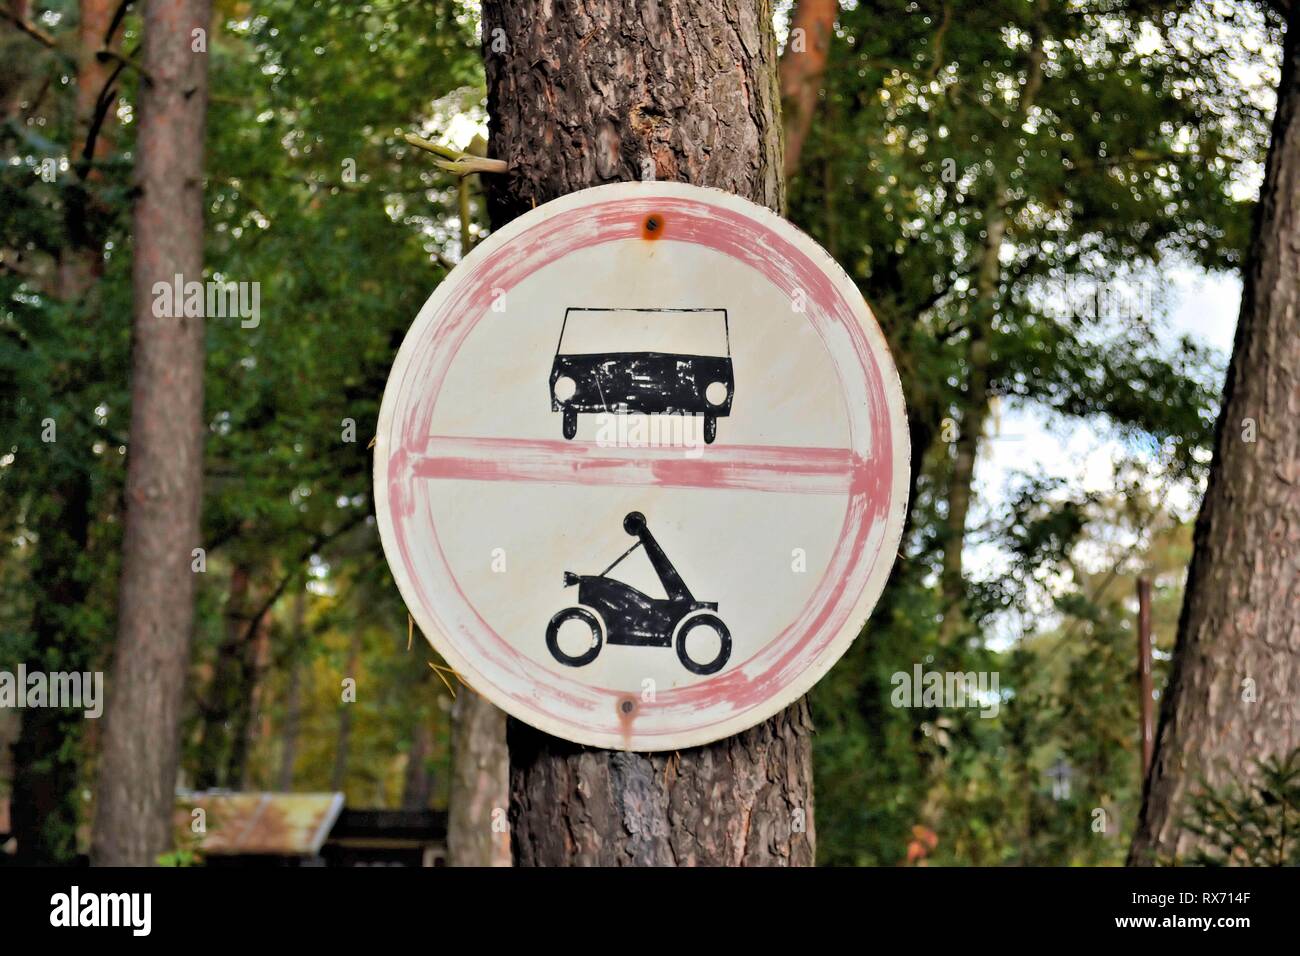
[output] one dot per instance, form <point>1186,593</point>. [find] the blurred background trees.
<point>990,174</point>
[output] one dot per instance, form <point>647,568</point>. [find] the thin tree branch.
<point>317,543</point>
<point>103,103</point>
<point>116,22</point>
<point>463,211</point>
<point>456,161</point>
<point>106,54</point>
<point>936,60</point>
<point>928,303</point>
<point>31,29</point>
<point>107,96</point>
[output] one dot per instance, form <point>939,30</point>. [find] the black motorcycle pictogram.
<point>620,614</point>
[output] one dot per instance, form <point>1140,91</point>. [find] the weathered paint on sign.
<point>671,379</point>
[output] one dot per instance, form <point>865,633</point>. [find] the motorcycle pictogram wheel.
<point>553,635</point>
<point>713,622</point>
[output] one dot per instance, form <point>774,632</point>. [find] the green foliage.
<point>313,196</point>
<point>61,447</point>
<point>1131,157</point>
<point>1110,140</point>
<point>180,858</point>
<point>872,760</point>
<point>1252,823</point>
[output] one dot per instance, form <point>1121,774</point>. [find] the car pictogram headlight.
<point>565,388</point>
<point>716,393</point>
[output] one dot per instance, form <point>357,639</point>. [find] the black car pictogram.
<point>620,614</point>
<point>644,361</point>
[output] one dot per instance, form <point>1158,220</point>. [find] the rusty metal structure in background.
<point>305,829</point>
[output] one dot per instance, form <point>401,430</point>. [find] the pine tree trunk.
<point>343,745</point>
<point>47,775</point>
<point>417,783</point>
<point>222,697</point>
<point>45,800</point>
<point>812,25</point>
<point>598,91</point>
<point>1234,689</point>
<point>480,768</point>
<point>246,722</point>
<point>292,695</point>
<point>141,747</point>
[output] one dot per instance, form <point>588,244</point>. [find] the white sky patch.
<point>462,128</point>
<point>1029,440</point>
<point>1206,306</point>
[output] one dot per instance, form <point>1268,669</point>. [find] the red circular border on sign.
<point>870,498</point>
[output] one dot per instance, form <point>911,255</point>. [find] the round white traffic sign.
<point>641,466</point>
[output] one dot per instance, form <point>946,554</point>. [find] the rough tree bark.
<point>597,91</point>
<point>1233,695</point>
<point>480,784</point>
<point>802,66</point>
<point>141,746</point>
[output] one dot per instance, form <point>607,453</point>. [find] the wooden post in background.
<point>1145,689</point>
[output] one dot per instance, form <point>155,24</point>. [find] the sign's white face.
<point>654,367</point>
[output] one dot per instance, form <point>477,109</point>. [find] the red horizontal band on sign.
<point>775,468</point>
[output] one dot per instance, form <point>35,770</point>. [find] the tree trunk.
<point>601,92</point>
<point>339,778</point>
<point>292,694</point>
<point>221,699</point>
<point>812,25</point>
<point>246,721</point>
<point>417,785</point>
<point>477,834</point>
<point>978,357</point>
<point>1233,695</point>
<point>45,803</point>
<point>962,477</point>
<point>606,89</point>
<point>141,747</point>
<point>46,800</point>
